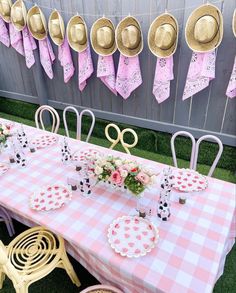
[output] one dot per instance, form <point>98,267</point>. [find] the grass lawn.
<point>58,282</point>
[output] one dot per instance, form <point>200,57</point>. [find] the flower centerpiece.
<point>4,134</point>
<point>125,174</point>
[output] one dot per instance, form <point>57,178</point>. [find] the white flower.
<point>152,179</point>
<point>123,173</point>
<point>6,132</point>
<point>98,170</point>
<point>118,163</point>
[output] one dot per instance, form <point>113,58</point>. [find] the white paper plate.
<point>43,141</point>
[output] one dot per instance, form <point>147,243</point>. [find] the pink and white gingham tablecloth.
<point>193,244</point>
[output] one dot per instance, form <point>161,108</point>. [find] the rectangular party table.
<point>190,253</point>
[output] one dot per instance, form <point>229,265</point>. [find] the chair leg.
<point>22,289</point>
<point>69,269</point>
<point>2,278</point>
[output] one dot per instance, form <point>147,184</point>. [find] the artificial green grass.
<point>219,173</point>
<point>149,140</point>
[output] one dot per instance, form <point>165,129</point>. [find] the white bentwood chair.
<point>172,142</point>
<point>39,117</point>
<point>79,121</point>
<point>217,140</point>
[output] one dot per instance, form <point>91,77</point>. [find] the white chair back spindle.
<point>172,142</point>
<point>217,140</point>
<point>79,122</point>
<point>39,118</point>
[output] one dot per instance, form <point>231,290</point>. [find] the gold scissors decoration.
<point>120,137</point>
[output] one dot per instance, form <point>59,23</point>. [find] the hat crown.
<point>17,14</point>
<point>130,37</point>
<point>36,23</point>
<point>5,7</point>
<point>105,37</point>
<point>165,36</point>
<point>55,28</point>
<point>205,29</point>
<point>78,33</point>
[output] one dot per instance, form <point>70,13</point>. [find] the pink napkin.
<point>201,71</point>
<point>106,72</point>
<point>163,75</point>
<point>85,64</point>
<point>231,89</point>
<point>29,45</point>
<point>128,75</point>
<point>64,56</point>
<point>4,35</point>
<point>46,56</point>
<point>16,39</point>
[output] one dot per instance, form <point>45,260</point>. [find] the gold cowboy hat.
<point>5,10</point>
<point>77,34</point>
<point>37,23</point>
<point>18,15</point>
<point>129,38</point>
<point>102,37</point>
<point>163,35</point>
<point>56,28</point>
<point>204,28</point>
<point>234,23</point>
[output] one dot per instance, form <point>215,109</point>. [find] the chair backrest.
<point>79,122</point>
<point>101,288</point>
<point>120,137</point>
<point>172,142</point>
<point>39,117</point>
<point>217,140</point>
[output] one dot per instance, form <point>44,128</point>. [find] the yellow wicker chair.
<point>120,137</point>
<point>31,256</point>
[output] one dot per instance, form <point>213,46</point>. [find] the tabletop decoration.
<point>163,210</point>
<point>50,197</point>
<point>44,140</point>
<point>22,138</point>
<point>3,168</point>
<point>187,180</point>
<point>132,236</point>
<point>121,173</point>
<point>4,134</point>
<point>20,157</point>
<point>65,151</point>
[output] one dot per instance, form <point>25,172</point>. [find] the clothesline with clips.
<point>121,15</point>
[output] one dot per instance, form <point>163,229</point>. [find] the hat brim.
<point>20,4</point>
<point>234,23</point>
<point>32,11</point>
<point>56,40</point>
<point>101,22</point>
<point>165,18</point>
<point>6,18</point>
<point>204,10</point>
<point>127,21</point>
<point>76,19</point>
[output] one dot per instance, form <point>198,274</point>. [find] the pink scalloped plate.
<point>43,141</point>
<point>84,155</point>
<point>187,180</point>
<point>50,197</point>
<point>3,168</point>
<point>132,236</point>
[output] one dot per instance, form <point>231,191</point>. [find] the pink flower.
<point>116,178</point>
<point>143,178</point>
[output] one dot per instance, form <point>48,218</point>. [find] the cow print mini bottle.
<point>163,210</point>
<point>22,138</point>
<point>65,152</point>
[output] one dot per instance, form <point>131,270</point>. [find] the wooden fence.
<point>209,111</point>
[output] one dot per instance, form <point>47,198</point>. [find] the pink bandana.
<point>201,71</point>
<point>85,64</point>
<point>46,56</point>
<point>4,36</point>
<point>64,56</point>
<point>163,75</point>
<point>128,75</point>
<point>231,89</point>
<point>106,72</point>
<point>29,46</point>
<point>16,39</point>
